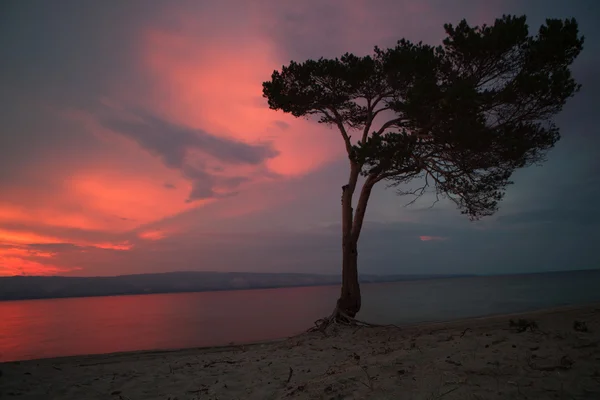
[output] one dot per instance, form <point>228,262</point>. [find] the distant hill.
<point>44,287</point>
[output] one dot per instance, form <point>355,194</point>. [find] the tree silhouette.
<point>460,117</point>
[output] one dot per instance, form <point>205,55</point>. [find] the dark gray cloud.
<point>171,142</point>
<point>202,183</point>
<point>282,125</point>
<point>54,247</point>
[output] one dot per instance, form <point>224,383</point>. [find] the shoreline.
<point>480,357</point>
<point>446,324</point>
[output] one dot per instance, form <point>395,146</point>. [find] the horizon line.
<point>307,273</point>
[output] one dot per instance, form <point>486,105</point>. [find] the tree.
<point>459,117</point>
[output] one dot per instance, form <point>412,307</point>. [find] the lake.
<point>31,329</point>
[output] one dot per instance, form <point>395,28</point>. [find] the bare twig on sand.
<point>565,364</point>
<point>210,364</point>
<point>290,375</point>
<point>447,392</point>
<point>369,379</point>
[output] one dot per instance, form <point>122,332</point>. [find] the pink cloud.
<point>153,235</point>
<point>217,86</point>
<point>432,238</point>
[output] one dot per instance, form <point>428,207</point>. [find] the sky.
<point>134,138</point>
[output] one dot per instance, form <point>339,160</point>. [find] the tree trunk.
<point>349,302</point>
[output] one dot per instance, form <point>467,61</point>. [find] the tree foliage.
<point>462,116</point>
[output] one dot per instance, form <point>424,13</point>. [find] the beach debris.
<point>440,395</point>
<point>115,393</point>
<point>369,383</point>
<point>587,345</point>
<point>413,345</point>
<point>299,388</point>
<point>580,326</point>
<point>203,389</point>
<point>210,364</point>
<point>290,375</point>
<point>564,364</point>
<point>522,325</point>
<point>457,363</point>
<point>566,361</point>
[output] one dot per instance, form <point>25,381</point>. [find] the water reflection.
<point>62,327</point>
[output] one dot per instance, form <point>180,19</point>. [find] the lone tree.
<point>460,117</point>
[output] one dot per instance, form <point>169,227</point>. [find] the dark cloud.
<point>169,186</point>
<point>171,142</point>
<point>281,124</point>
<point>54,247</point>
<point>204,184</point>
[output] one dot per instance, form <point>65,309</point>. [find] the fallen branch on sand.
<point>565,364</point>
<point>210,364</point>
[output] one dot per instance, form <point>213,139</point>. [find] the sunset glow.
<point>143,143</point>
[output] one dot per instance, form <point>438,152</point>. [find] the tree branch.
<point>368,123</point>
<point>340,124</point>
<point>361,207</point>
<point>388,124</point>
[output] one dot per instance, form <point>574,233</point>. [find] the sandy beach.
<point>482,358</point>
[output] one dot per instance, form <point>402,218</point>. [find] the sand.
<point>481,358</point>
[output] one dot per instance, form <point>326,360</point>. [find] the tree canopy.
<point>462,116</point>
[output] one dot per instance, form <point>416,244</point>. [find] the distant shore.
<point>557,355</point>
<point>14,288</point>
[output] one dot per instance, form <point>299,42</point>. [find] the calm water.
<point>49,328</point>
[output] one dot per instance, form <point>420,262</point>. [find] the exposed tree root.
<point>340,318</point>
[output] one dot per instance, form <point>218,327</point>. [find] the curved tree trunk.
<point>349,302</point>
